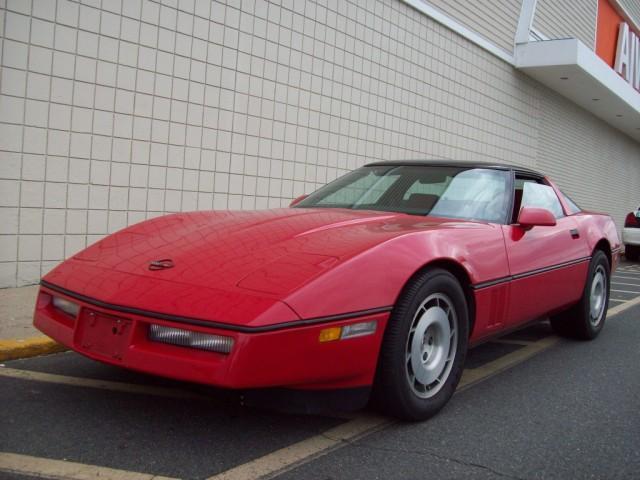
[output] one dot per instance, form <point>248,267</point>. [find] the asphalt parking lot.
<point>625,283</point>
<point>530,405</point>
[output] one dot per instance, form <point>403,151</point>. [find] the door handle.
<point>574,233</point>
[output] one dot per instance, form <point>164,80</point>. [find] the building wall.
<point>633,8</point>
<point>112,112</point>
<point>496,20</point>
<point>595,164</point>
<point>567,18</point>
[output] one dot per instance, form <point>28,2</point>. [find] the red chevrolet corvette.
<point>379,281</point>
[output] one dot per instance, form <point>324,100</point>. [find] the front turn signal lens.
<point>330,334</point>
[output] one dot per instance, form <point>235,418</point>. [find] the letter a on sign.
<point>622,52</point>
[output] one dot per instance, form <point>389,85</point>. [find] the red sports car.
<point>378,282</point>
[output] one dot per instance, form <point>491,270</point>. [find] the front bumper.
<point>291,357</point>
<point>631,236</point>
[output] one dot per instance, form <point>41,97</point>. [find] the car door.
<point>548,265</point>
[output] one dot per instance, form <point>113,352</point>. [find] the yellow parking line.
<point>471,376</point>
<point>311,448</point>
<point>100,384</point>
<point>306,450</point>
<point>508,341</point>
<point>622,307</point>
<point>58,469</point>
<point>279,461</point>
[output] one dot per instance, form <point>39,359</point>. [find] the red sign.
<point>618,42</point>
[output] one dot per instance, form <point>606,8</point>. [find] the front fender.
<point>374,278</point>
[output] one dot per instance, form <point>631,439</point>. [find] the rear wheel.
<point>424,347</point>
<point>586,319</point>
<point>632,252</point>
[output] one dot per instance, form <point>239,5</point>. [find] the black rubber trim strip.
<point>491,283</point>
<point>530,273</point>
<point>213,324</point>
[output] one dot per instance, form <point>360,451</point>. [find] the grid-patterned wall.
<point>596,165</point>
<point>567,18</point>
<point>495,20</point>
<point>633,8</point>
<point>116,111</point>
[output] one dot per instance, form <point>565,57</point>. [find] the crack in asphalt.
<point>458,461</point>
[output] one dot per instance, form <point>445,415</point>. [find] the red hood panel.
<point>219,249</point>
<point>242,264</point>
<point>237,307</point>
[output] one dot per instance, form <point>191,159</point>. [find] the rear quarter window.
<point>572,206</point>
<point>541,196</point>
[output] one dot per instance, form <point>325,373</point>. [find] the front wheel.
<point>586,319</point>
<point>424,347</point>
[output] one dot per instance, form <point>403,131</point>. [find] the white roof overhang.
<point>576,72</point>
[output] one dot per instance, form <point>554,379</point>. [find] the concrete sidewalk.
<point>16,312</point>
<point>18,337</point>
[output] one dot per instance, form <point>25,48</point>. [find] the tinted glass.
<point>541,196</point>
<point>469,193</point>
<point>571,205</point>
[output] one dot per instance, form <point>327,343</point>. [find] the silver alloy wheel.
<point>431,345</point>
<point>597,299</point>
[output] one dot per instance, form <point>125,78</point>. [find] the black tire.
<point>632,252</point>
<point>578,322</point>
<point>394,391</point>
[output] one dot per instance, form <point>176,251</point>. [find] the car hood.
<point>245,260</point>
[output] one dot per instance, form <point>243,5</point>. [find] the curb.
<point>28,347</point>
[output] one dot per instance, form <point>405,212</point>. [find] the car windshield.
<point>443,191</point>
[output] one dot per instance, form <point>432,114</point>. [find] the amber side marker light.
<point>360,329</point>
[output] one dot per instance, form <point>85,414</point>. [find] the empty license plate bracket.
<point>105,335</point>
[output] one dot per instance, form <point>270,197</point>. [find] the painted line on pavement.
<point>303,452</point>
<point>99,384</point>
<point>11,349</point>
<point>59,469</point>
<point>306,450</point>
<point>472,376</point>
<point>269,465</point>
<point>624,291</point>
<point>295,455</point>
<point>622,283</point>
<point>508,341</point>
<point>626,277</point>
<point>621,308</point>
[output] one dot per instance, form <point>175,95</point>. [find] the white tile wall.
<point>569,18</point>
<point>115,111</point>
